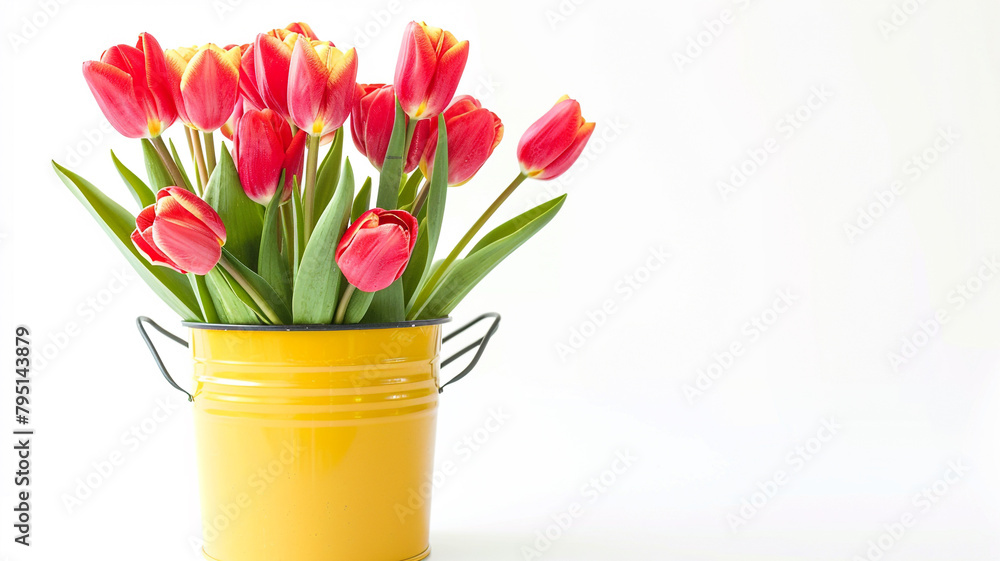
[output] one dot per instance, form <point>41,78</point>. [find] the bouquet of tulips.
<point>270,231</point>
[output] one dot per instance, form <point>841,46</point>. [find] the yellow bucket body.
<point>316,445</point>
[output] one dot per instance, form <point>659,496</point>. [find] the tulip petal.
<point>307,76</point>
<point>196,207</point>
<point>415,68</point>
<point>259,156</point>
<point>567,158</point>
<point>112,88</point>
<point>446,77</point>
<point>376,258</point>
<point>210,86</point>
<point>248,80</point>
<point>152,254</point>
<point>272,61</point>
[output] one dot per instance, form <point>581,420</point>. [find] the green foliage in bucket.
<point>268,231</point>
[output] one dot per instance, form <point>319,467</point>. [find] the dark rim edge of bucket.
<point>315,327</point>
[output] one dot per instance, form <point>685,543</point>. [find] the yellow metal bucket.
<point>316,442</point>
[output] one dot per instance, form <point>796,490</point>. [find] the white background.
<point>580,387</point>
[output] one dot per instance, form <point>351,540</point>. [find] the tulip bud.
<point>430,65</point>
<point>321,86</point>
<point>205,84</point>
<point>376,248</point>
<point>132,88</point>
<point>473,133</point>
<point>551,144</point>
<point>372,119</point>
<point>263,148</point>
<point>180,231</point>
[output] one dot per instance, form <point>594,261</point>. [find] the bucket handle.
<point>156,356</point>
<point>479,344</point>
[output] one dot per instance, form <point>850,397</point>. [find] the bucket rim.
<point>315,326</point>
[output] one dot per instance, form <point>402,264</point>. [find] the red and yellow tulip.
<point>553,143</point>
<point>132,88</point>
<point>180,231</point>
<point>205,83</point>
<point>429,67</point>
<point>321,86</point>
<point>473,133</point>
<point>372,119</point>
<point>376,248</point>
<point>263,148</point>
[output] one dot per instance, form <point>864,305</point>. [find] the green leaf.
<point>299,232</point>
<point>200,287</point>
<point>409,190</point>
<point>229,306</point>
<point>317,281</point>
<point>273,266</point>
<point>392,168</point>
<point>414,273</point>
<point>463,275</point>
<point>328,175</point>
<point>363,200</point>
<point>159,177</point>
<point>140,191</point>
<point>255,292</point>
<point>118,223</point>
<point>243,218</point>
<point>180,167</point>
<point>417,272</point>
<point>356,308</point>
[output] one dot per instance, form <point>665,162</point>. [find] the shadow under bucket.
<point>317,442</point>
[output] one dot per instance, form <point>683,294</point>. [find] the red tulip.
<point>205,83</point>
<point>132,87</point>
<point>376,248</point>
<point>321,86</point>
<point>180,231</point>
<point>430,64</point>
<point>372,119</point>
<point>272,55</point>
<point>263,147</point>
<point>551,144</point>
<point>473,133</point>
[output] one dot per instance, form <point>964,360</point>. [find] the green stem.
<point>431,284</point>
<point>272,316</point>
<point>168,161</point>
<point>288,231</point>
<point>342,306</point>
<point>421,198</point>
<point>199,158</point>
<point>209,151</point>
<point>312,159</point>
<point>411,126</point>
<point>197,176</point>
